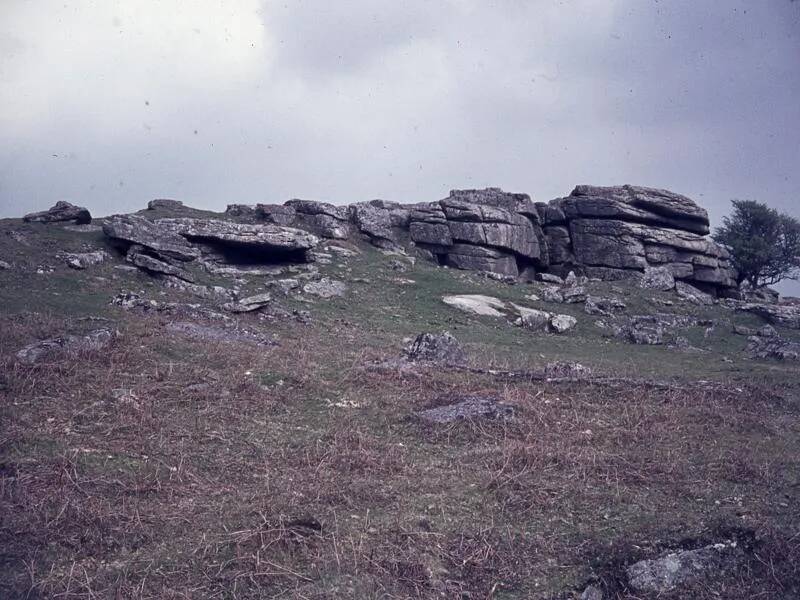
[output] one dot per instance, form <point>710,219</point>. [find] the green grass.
<point>191,484</point>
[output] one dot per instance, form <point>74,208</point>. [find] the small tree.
<point>764,244</point>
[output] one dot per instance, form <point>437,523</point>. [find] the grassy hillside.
<point>168,466</point>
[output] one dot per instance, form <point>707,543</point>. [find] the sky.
<point>109,103</point>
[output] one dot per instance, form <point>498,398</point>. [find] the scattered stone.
<point>783,315</point>
<point>61,211</point>
<point>643,334</point>
<point>743,330</point>
<point>81,260</point>
<point>560,369</point>
<point>84,228</point>
<point>477,304</point>
<point>285,285</point>
<point>571,279</point>
<point>436,347</point>
<point>531,318</point>
<point>325,288</point>
<point>470,407</point>
<point>574,295</point>
<point>772,347</point>
<point>4,265</point>
<point>592,592</point>
<point>658,278</point>
<point>94,340</point>
<point>550,278</point>
<point>596,305</point>
<point>677,569</point>
<point>562,323</point>
<point>345,252</point>
<point>249,304</point>
<point>552,294</point>
<point>767,331</point>
<point>208,292</point>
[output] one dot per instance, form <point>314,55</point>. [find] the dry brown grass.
<point>166,467</point>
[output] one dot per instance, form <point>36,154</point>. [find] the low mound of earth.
<point>199,404</point>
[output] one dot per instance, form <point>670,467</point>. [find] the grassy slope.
<point>168,467</point>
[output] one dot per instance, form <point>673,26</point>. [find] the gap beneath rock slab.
<point>242,253</point>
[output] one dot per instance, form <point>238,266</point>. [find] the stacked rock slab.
<point>484,230</point>
<point>61,211</point>
<point>164,245</point>
<point>616,232</point>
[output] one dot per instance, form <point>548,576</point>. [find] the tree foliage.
<point>764,243</point>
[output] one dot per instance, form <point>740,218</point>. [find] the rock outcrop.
<point>257,238</point>
<point>650,235</point>
<point>483,230</point>
<point>60,212</point>
<point>159,241</point>
<point>621,232</point>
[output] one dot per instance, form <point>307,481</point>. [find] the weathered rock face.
<point>164,203</point>
<point>61,211</point>
<point>622,231</point>
<point>636,204</point>
<point>257,236</point>
<point>485,230</point>
<point>612,233</point>
<point>163,242</point>
<point>326,220</point>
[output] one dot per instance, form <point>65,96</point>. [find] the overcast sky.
<point>111,103</point>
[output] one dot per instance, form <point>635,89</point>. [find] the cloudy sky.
<point>111,103</point>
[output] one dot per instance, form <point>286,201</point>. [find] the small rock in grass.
<point>325,288</point>
<point>470,407</point>
<point>436,347</point>
<point>94,340</point>
<point>562,323</point>
<point>669,572</point>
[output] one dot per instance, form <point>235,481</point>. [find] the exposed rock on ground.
<point>566,369</point>
<point>670,572</point>
<point>471,407</point>
<point>137,255</point>
<point>477,304</point>
<point>530,318</point>
<point>248,304</point>
<point>772,346</point>
<point>784,315</point>
<point>562,323</point>
<point>597,305</point>
<point>325,288</point>
<point>82,260</point>
<point>38,351</point>
<point>436,347</point>
<point>61,211</point>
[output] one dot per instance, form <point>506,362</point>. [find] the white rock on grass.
<point>562,323</point>
<point>477,304</point>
